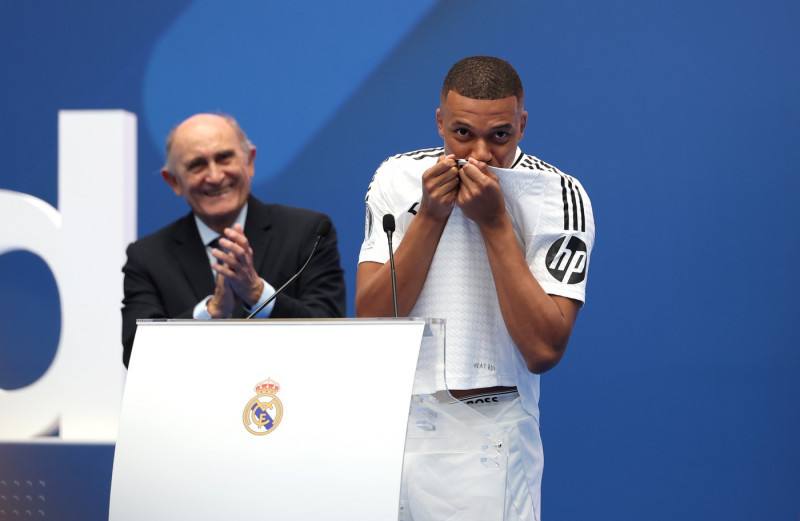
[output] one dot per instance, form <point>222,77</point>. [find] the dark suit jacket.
<point>167,273</point>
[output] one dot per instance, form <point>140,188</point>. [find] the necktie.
<point>215,244</point>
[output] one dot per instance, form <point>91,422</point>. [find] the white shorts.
<point>471,462</point>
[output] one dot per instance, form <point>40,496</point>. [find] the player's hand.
<point>479,195</point>
<point>237,265</point>
<point>440,188</point>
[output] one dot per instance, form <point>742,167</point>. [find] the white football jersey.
<point>552,218</point>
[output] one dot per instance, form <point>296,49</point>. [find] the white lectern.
<point>287,420</point>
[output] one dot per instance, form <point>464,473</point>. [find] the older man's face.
<point>210,169</point>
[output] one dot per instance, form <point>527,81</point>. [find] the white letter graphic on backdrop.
<point>83,242</point>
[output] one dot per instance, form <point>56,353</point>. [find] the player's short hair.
<point>244,142</point>
<point>484,78</point>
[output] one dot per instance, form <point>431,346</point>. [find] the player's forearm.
<point>374,291</point>
<point>539,324</point>
<point>412,260</point>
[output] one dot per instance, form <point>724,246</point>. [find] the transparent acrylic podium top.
<point>431,371</point>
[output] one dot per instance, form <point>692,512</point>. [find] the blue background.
<point>679,397</point>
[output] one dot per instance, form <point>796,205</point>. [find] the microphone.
<point>388,227</point>
<point>322,230</point>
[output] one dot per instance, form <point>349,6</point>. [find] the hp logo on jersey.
<point>566,260</point>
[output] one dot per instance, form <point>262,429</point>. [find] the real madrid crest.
<point>263,413</point>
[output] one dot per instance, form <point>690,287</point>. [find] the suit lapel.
<point>190,252</point>
<point>257,228</point>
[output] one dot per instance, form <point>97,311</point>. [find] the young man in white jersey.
<point>505,238</point>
